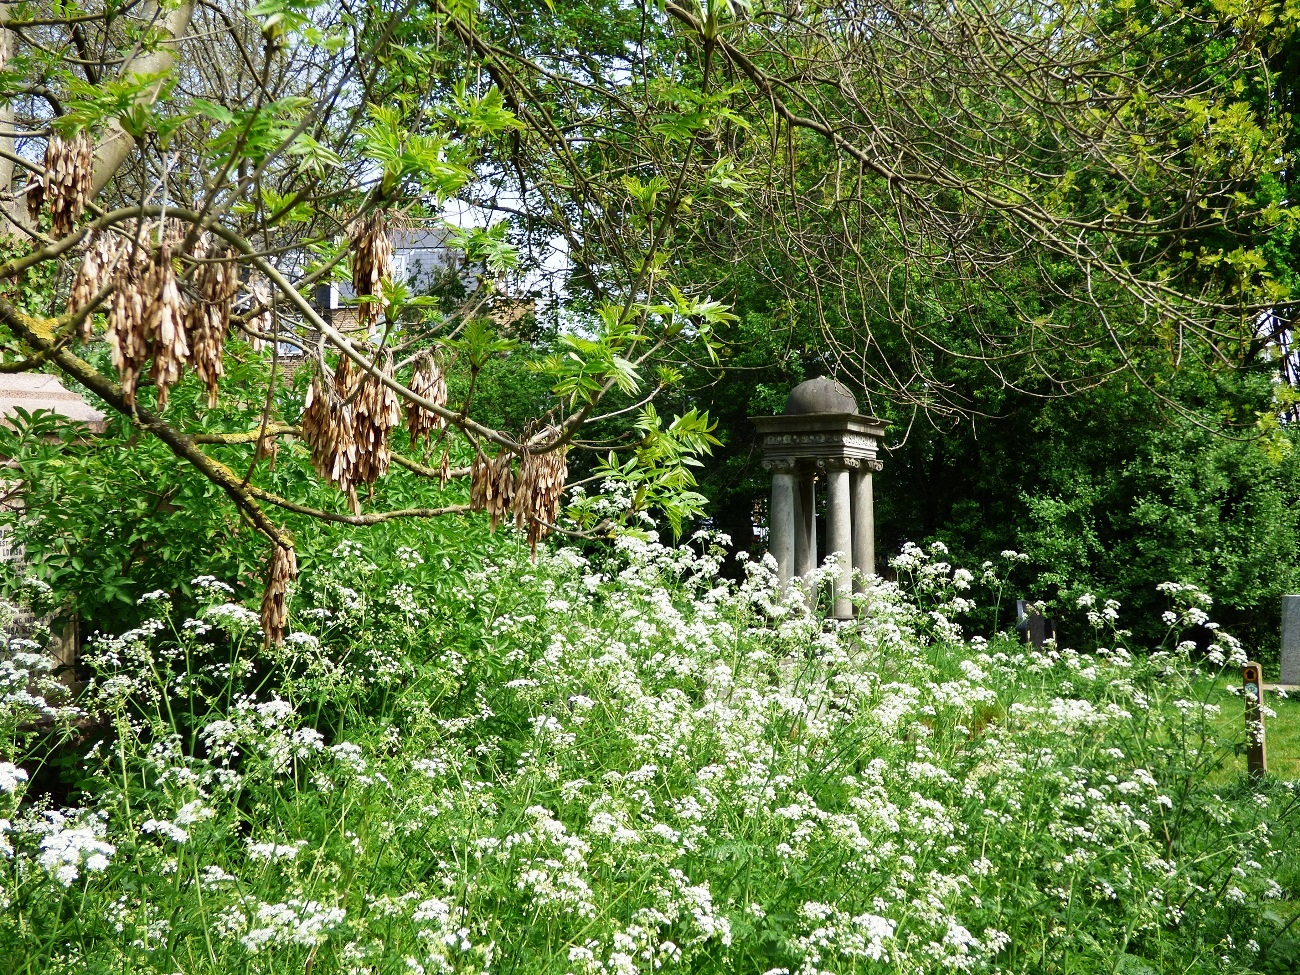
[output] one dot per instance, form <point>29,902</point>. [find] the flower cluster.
<point>623,764</point>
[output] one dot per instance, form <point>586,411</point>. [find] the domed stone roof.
<point>820,395</point>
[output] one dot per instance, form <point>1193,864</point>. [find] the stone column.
<point>864,523</point>
<point>1290,640</point>
<point>839,533</point>
<point>805,533</point>
<point>780,521</point>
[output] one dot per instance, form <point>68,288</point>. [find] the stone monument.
<point>821,437</point>
<point>1290,640</point>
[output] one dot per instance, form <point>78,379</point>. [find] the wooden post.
<point>1253,690</point>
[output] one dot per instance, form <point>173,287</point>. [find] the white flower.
<point>233,617</point>
<point>275,851</point>
<point>11,776</point>
<point>293,922</point>
<point>194,812</point>
<point>165,828</point>
<point>212,585</point>
<point>409,557</point>
<point>65,850</point>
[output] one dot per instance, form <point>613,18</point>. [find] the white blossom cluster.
<point>627,765</point>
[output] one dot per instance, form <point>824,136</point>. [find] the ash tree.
<point>181,177</point>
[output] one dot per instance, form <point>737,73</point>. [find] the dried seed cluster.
<point>542,477</point>
<point>97,269</point>
<point>149,317</point>
<point>347,423</point>
<point>164,323</point>
<point>429,382</point>
<point>372,263</point>
<point>377,412</point>
<point>275,600</point>
<point>207,320</point>
<point>65,182</point>
<point>532,496</point>
<point>127,318</point>
<point>260,320</point>
<point>492,486</point>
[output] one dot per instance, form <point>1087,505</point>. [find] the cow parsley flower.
<point>11,777</point>
<point>67,851</point>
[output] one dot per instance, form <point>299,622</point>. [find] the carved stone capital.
<point>838,463</point>
<point>779,465</point>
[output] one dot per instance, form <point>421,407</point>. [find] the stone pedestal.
<point>1290,640</point>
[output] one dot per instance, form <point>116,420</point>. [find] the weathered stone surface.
<point>781,525</point>
<point>864,526</point>
<point>35,391</point>
<point>820,395</point>
<point>839,536</point>
<point>1290,640</point>
<point>821,437</point>
<point>807,439</point>
<point>805,538</point>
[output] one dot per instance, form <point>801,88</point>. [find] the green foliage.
<point>102,527</point>
<point>1112,493</point>
<point>657,476</point>
<point>107,518</point>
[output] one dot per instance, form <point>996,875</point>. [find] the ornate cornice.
<point>819,441</point>
<point>860,441</point>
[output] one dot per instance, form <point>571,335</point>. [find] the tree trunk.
<point>113,149</point>
<point>6,111</point>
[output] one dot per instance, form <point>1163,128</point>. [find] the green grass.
<point>1281,733</point>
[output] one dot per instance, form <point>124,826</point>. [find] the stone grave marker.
<point>1290,640</point>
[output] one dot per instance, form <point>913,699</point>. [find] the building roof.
<point>421,258</point>
<point>33,391</point>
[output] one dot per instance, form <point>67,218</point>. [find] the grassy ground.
<point>1282,733</point>
<point>1282,736</point>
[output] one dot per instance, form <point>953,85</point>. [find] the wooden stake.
<point>1253,691</point>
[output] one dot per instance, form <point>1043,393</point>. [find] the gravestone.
<point>1290,640</point>
<point>1036,627</point>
